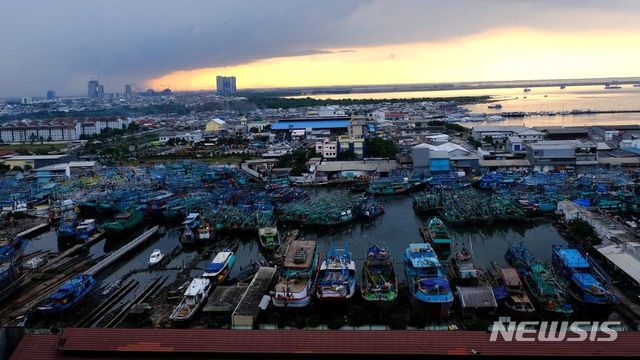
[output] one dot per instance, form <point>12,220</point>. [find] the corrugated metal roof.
<point>319,124</point>
<point>179,343</point>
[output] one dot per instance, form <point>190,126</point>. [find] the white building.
<point>327,148</point>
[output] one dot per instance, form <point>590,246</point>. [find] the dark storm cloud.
<point>59,44</point>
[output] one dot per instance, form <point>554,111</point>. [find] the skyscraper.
<point>226,84</point>
<point>51,95</point>
<point>93,87</point>
<point>128,91</point>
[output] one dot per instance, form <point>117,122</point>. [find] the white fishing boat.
<point>220,266</point>
<point>194,298</point>
<point>296,283</point>
<point>156,257</point>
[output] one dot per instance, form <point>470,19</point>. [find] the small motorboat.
<point>156,257</point>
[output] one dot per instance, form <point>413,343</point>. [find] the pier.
<point>248,309</point>
<point>114,256</point>
<point>31,232</point>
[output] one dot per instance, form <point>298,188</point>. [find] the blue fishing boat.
<point>69,294</point>
<point>518,256</point>
<point>67,227</point>
<point>85,230</point>
<point>426,279</point>
<point>583,281</point>
<point>369,209</point>
<point>220,267</point>
<point>11,249</point>
<point>337,276</point>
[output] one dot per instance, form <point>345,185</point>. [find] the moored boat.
<point>379,283</point>
<point>194,298</point>
<point>70,293</point>
<point>436,234</point>
<point>67,227</point>
<point>85,229</point>
<point>547,294</point>
<point>195,230</point>
<point>509,291</point>
<point>11,249</point>
<point>269,238</point>
<point>156,257</point>
<point>465,272</point>
<point>296,283</point>
<point>337,276</point>
<point>220,267</point>
<point>123,223</point>
<point>583,281</point>
<point>428,285</point>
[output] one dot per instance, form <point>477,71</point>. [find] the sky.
<point>184,44</point>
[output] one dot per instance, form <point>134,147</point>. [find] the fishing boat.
<point>583,281</point>
<point>85,229</point>
<point>123,223</point>
<point>527,90</point>
<point>10,279</point>
<point>389,186</point>
<point>612,86</point>
<point>220,267</point>
<point>379,283</point>
<point>436,234</point>
<point>269,238</point>
<point>428,285</point>
<point>562,87</point>
<point>369,209</point>
<point>518,256</point>
<point>509,291</point>
<point>67,227</point>
<point>69,294</point>
<point>11,249</point>
<point>194,298</point>
<point>195,230</point>
<point>465,272</point>
<point>337,276</point>
<point>546,292</point>
<point>296,283</point>
<point>156,257</point>
<point>495,106</point>
<point>155,206</point>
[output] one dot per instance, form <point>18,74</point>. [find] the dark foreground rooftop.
<point>122,344</point>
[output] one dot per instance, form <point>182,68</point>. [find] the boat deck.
<point>309,249</point>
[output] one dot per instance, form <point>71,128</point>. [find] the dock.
<point>114,256</point>
<point>248,309</point>
<point>31,232</point>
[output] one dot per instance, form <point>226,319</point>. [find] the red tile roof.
<point>179,342</point>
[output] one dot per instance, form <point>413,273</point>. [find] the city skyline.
<point>184,47</point>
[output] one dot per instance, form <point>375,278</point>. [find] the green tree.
<point>378,147</point>
<point>583,232</point>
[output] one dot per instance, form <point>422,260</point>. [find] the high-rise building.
<point>51,95</point>
<point>128,91</point>
<point>100,91</point>
<point>226,84</point>
<point>93,87</point>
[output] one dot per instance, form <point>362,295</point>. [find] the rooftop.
<point>77,343</point>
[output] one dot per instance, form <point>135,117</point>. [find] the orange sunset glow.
<point>497,55</point>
